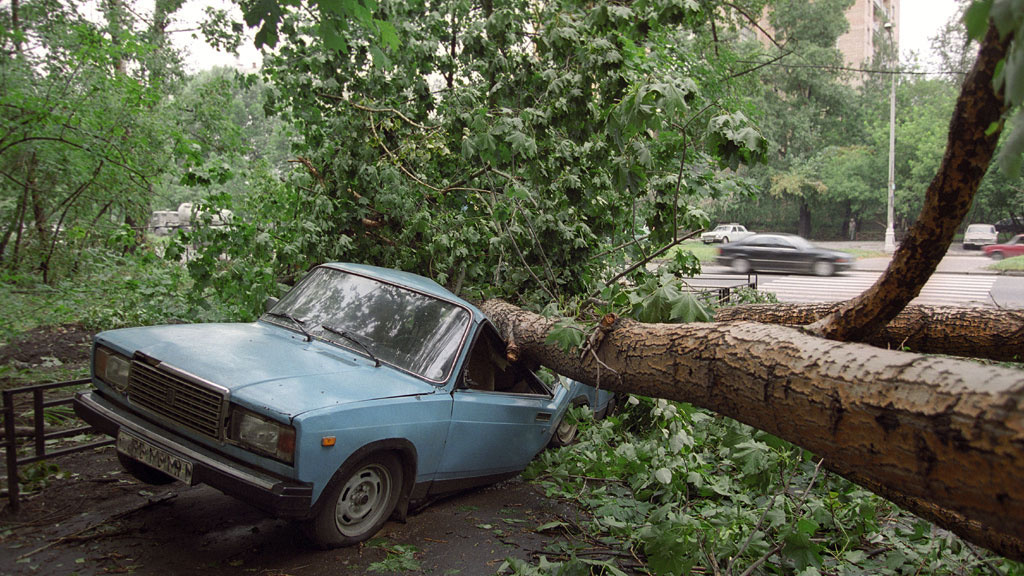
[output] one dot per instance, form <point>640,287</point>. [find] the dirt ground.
<point>101,521</point>
<point>92,518</point>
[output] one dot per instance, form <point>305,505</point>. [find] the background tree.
<point>807,96</point>
<point>539,134</point>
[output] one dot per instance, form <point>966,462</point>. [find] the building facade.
<point>867,20</point>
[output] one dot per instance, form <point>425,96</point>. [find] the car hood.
<point>267,368</point>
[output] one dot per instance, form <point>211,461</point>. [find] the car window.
<point>412,331</point>
<point>488,368</point>
<point>799,243</point>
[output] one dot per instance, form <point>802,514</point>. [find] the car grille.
<point>175,396</point>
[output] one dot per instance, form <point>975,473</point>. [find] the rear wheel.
<point>358,501</point>
<point>142,472</point>
<point>741,265</point>
<point>567,428</point>
<point>823,268</point>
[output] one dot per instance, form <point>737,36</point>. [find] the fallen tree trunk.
<point>946,434</point>
<point>971,332</point>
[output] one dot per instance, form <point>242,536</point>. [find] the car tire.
<point>823,268</point>
<point>143,472</point>
<point>357,502</point>
<point>725,240</point>
<point>740,265</point>
<point>609,408</point>
<point>997,255</point>
<point>566,429</point>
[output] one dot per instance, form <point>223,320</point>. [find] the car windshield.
<point>397,326</point>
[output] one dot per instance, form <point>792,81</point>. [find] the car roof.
<point>404,279</point>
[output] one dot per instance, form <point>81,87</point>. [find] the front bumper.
<point>280,497</point>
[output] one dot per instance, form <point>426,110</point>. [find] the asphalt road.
<point>962,279</point>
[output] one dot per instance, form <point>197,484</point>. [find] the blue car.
<point>360,393</point>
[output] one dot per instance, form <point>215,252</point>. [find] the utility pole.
<point>890,232</point>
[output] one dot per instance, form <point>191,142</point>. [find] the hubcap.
<point>363,500</point>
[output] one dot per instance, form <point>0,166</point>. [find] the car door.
<point>763,253</point>
<point>502,415</point>
<point>788,257</point>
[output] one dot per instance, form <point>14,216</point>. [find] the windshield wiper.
<point>354,340</point>
<point>298,322</point>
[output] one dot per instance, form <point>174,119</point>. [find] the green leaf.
<point>388,34</point>
<point>687,308</point>
<point>670,553</point>
<point>567,334</point>
<point>800,550</point>
<point>380,60</point>
<point>1012,153</point>
<point>976,18</point>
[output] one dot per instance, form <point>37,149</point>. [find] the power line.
<point>775,63</point>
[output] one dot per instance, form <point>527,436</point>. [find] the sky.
<point>919,20</point>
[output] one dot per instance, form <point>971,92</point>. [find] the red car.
<point>1015,247</point>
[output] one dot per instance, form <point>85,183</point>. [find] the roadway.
<point>962,279</point>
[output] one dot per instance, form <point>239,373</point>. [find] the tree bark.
<point>946,434</point>
<point>970,332</point>
<point>969,150</point>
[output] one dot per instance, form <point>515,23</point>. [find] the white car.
<point>725,233</point>
<point>979,235</point>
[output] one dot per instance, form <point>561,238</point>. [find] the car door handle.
<point>543,417</point>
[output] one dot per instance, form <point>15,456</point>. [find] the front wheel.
<point>741,265</point>
<point>996,255</point>
<point>725,240</point>
<point>823,268</point>
<point>358,501</point>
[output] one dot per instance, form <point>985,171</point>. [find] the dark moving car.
<point>782,253</point>
<point>1011,225</point>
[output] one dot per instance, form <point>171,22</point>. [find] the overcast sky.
<point>919,20</point>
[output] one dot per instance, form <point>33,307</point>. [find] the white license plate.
<point>154,456</point>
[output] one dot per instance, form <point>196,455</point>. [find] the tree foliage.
<point>501,147</point>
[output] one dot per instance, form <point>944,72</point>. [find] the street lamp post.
<point>890,233</point>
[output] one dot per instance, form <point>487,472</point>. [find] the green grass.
<point>1014,264</point>
<point>859,253</point>
<point>706,253</point>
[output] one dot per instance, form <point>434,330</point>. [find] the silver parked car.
<point>978,235</point>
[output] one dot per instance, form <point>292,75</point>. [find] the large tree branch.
<point>970,332</point>
<point>947,434</point>
<point>969,150</point>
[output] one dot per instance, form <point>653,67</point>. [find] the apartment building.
<point>867,19</point>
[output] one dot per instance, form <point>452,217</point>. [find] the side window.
<point>488,369</point>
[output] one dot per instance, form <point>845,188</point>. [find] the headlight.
<point>260,434</point>
<point>112,368</point>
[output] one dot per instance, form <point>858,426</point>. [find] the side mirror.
<point>269,303</point>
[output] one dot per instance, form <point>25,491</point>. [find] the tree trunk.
<point>969,332</point>
<point>946,434</point>
<point>969,148</point>
<point>805,219</point>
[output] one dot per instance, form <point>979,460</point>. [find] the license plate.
<point>154,456</point>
